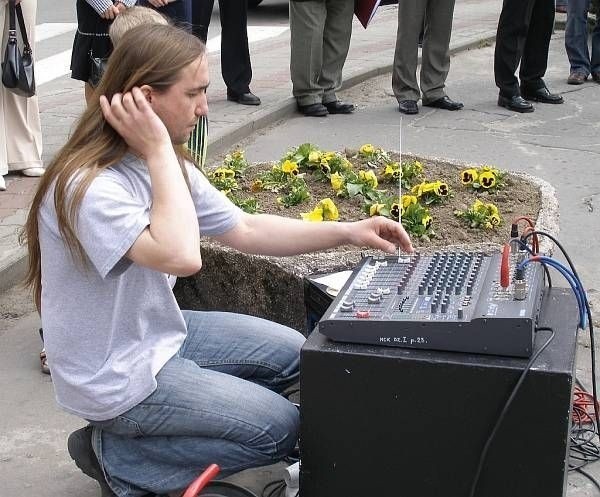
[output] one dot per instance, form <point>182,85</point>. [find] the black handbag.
<point>97,68</point>
<point>17,68</point>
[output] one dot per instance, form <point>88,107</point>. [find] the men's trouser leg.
<point>336,42</point>
<point>595,62</point>
<point>513,27</point>
<point>307,22</point>
<point>215,402</point>
<point>576,35</point>
<point>535,54</point>
<point>179,12</point>
<point>436,49</point>
<point>201,14</point>
<point>235,54</point>
<point>411,14</point>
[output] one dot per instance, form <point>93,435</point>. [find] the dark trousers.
<point>180,12</point>
<point>524,32</point>
<point>235,55</point>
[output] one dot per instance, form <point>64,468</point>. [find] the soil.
<point>517,198</point>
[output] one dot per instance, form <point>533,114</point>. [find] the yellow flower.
<point>417,189</point>
<point>468,176</point>
<point>346,164</point>
<point>479,206</point>
<point>337,182</point>
<point>330,211</point>
<point>223,172</point>
<point>488,169</point>
<point>488,225</point>
<point>487,179</point>
<point>368,177</point>
<point>418,167</point>
<point>388,172</point>
<point>428,187</point>
<point>440,188</point>
<point>325,169</point>
<point>328,156</point>
<point>314,156</point>
<point>257,185</point>
<point>495,219</point>
<point>315,215</point>
<point>395,211</point>
<point>367,149</point>
<point>375,209</point>
<point>492,209</point>
<point>426,221</point>
<point>408,200</point>
<point>237,155</point>
<point>289,167</point>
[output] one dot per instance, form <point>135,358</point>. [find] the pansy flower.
<point>468,176</point>
<point>487,179</point>
<point>375,209</point>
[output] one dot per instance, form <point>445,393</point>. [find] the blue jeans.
<point>216,402</point>
<point>576,39</point>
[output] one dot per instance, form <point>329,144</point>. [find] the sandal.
<point>44,362</point>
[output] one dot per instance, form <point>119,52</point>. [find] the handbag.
<point>17,68</point>
<point>97,68</point>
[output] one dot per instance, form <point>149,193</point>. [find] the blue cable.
<point>575,283</point>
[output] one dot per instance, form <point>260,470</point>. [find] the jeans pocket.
<point>121,426</point>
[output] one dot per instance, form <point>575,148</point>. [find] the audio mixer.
<point>449,300</point>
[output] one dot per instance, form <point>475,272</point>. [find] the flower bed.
<point>443,204</point>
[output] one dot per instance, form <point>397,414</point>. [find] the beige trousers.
<point>20,130</point>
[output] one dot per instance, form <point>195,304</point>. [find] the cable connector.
<point>520,285</point>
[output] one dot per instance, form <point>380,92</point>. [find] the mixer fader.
<point>449,300</point>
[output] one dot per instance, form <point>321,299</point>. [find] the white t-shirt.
<point>109,327</point>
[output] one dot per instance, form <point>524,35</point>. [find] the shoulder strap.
<point>26,45</point>
<point>12,26</point>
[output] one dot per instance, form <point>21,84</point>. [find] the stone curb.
<point>13,270</point>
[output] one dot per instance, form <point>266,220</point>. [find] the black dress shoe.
<point>313,110</point>
<point>541,95</point>
<point>445,103</point>
<point>339,107</point>
<point>596,76</point>
<point>516,103</point>
<point>243,98</point>
<point>408,107</point>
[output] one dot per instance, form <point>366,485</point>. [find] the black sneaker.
<point>81,451</point>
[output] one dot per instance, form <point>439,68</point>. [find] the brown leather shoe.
<point>576,78</point>
<point>596,77</point>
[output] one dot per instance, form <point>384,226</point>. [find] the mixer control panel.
<point>448,300</point>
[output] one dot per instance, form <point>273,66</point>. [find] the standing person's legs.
<point>595,62</point>
<point>513,27</point>
<point>201,14</point>
<point>436,49</point>
<point>336,42</point>
<point>20,133</point>
<point>215,402</point>
<point>307,21</point>
<point>235,54</point>
<point>576,35</point>
<point>535,53</point>
<point>411,14</point>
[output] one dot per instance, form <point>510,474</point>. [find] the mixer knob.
<point>374,299</point>
<point>444,307</point>
<point>459,313</point>
<point>385,291</point>
<point>421,289</point>
<point>433,308</point>
<point>469,289</point>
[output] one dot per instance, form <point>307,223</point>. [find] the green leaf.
<point>354,189</point>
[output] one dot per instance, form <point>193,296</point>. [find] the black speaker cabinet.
<point>392,422</point>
